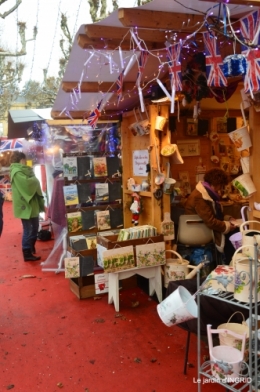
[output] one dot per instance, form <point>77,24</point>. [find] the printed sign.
<point>140,161</point>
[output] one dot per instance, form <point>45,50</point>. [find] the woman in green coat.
<point>28,202</point>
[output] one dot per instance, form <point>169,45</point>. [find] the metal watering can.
<point>177,268</point>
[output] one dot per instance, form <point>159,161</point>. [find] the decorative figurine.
<point>135,208</point>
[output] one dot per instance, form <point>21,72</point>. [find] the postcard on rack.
<point>86,265</point>
<point>113,167</point>
<point>91,242</point>
<point>72,269</point>
<point>84,192</point>
<point>70,195</point>
<point>78,243</point>
<point>115,192</point>
<point>100,167</point>
<point>70,167</point>
<point>101,193</point>
<point>116,218</point>
<point>74,221</point>
<point>88,219</point>
<point>103,220</point>
<point>84,167</point>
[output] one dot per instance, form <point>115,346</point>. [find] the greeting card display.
<point>101,193</point>
<point>84,167</point>
<point>117,259</point>
<point>70,167</point>
<point>91,242</point>
<point>115,191</point>
<point>113,167</point>
<point>88,220</point>
<point>116,218</point>
<point>150,254</point>
<point>103,220</point>
<point>74,221</point>
<point>70,193</point>
<point>100,167</point>
<point>84,193</point>
<point>71,266</point>
<point>101,283</point>
<point>78,243</point>
<point>86,265</point>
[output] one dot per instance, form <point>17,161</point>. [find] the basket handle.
<point>234,314</point>
<point>241,227</point>
<point>173,251</point>
<point>238,250</point>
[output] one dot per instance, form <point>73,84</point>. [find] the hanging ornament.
<point>234,65</point>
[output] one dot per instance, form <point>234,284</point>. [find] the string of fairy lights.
<point>226,35</point>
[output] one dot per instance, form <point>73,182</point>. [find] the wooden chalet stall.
<point>120,70</point>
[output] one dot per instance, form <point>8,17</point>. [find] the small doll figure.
<point>135,208</point>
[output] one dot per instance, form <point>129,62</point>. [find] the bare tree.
<point>11,9</point>
<point>10,70</point>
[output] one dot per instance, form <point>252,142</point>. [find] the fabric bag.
<point>44,235</point>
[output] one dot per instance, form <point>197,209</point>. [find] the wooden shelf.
<point>256,214</point>
<point>142,193</point>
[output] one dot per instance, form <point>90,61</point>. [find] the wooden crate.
<point>85,288</point>
<point>110,242</point>
<point>82,287</point>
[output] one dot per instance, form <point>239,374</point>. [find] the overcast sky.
<point>44,52</point>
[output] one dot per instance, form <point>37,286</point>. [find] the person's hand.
<point>233,223</point>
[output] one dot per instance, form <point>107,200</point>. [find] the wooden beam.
<point>95,87</point>
<point>80,114</point>
<point>118,33</point>
<point>107,43</point>
<point>148,19</point>
<point>237,2</point>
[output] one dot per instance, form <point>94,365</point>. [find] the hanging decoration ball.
<point>234,65</point>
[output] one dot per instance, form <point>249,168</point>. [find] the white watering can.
<point>249,237</point>
<point>178,268</point>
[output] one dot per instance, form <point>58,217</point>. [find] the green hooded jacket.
<point>27,196</point>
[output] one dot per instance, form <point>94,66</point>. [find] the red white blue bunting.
<point>94,116</point>
<point>250,28</point>
<point>214,63</point>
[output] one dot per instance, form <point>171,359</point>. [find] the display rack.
<point>248,379</point>
<point>84,286</point>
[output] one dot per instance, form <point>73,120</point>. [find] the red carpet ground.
<point>51,341</point>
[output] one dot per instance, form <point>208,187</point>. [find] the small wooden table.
<point>152,273</point>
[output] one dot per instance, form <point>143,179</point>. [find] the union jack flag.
<point>214,63</point>
<point>94,116</point>
<point>250,26</point>
<point>252,76</point>
<point>174,64</point>
<point>11,144</point>
<point>119,86</point>
<point>141,65</point>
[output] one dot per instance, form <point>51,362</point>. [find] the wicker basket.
<point>228,340</point>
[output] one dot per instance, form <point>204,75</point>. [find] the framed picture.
<point>221,125</point>
<point>192,127</point>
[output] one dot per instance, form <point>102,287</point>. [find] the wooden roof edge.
<point>80,116</point>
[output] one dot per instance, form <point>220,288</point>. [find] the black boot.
<point>28,256</point>
<point>33,246</point>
